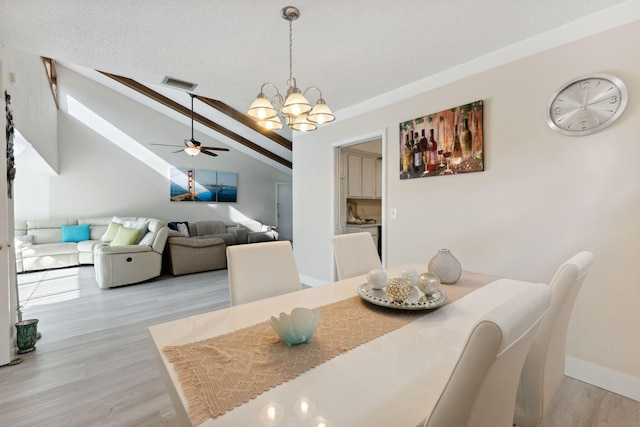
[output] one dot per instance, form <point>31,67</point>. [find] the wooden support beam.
<point>52,76</point>
<point>167,102</point>
<point>242,118</point>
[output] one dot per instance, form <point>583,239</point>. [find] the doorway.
<point>360,187</point>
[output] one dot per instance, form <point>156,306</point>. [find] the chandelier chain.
<point>290,51</point>
<point>298,113</point>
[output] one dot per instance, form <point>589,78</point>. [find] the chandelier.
<point>296,110</point>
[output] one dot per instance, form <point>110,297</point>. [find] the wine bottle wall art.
<point>454,143</point>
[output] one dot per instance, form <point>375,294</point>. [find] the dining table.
<point>392,378</point>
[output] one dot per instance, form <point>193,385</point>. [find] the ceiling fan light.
<point>296,103</point>
<point>274,123</point>
<point>261,109</point>
<point>321,113</point>
<point>303,124</point>
<point>192,151</point>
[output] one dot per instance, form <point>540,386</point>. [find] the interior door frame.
<point>337,146</point>
<point>8,302</point>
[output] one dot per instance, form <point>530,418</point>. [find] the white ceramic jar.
<point>445,266</point>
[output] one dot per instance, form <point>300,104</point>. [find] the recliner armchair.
<point>201,248</point>
<point>201,245</point>
<point>124,265</point>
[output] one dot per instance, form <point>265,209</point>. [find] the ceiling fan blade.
<point>214,148</point>
<point>208,153</point>
<point>179,151</point>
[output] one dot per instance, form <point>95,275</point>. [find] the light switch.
<point>394,213</point>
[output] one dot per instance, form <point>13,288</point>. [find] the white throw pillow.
<point>183,229</point>
<point>118,220</point>
<point>22,241</point>
<point>142,225</point>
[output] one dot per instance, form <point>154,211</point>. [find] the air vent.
<point>180,84</point>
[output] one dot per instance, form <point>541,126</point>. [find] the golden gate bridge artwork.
<point>201,185</point>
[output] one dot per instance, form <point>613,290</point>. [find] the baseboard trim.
<point>605,378</point>
<point>310,281</point>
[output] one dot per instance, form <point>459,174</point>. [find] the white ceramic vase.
<point>445,266</point>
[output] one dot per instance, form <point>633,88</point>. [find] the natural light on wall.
<point>238,217</point>
<point>116,136</point>
<point>94,121</point>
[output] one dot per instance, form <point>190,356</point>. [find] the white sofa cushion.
<point>49,255</point>
<point>85,250</point>
<point>48,230</point>
<point>98,225</point>
<point>49,249</point>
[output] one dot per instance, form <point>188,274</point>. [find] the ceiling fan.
<point>193,147</point>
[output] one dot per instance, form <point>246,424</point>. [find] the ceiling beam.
<point>175,106</point>
<point>242,118</point>
<point>52,76</point>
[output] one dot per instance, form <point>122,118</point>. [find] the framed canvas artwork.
<point>227,187</point>
<point>201,185</point>
<point>448,142</point>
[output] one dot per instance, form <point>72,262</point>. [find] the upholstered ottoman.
<point>187,255</point>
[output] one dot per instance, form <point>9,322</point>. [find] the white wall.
<point>34,108</point>
<point>107,165</point>
<point>31,187</point>
<point>542,197</point>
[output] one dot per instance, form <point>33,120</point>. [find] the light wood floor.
<point>94,364</point>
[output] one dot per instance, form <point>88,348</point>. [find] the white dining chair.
<point>355,254</point>
<point>543,370</point>
<point>481,390</point>
<point>261,270</point>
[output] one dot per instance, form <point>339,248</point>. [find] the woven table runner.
<point>220,373</point>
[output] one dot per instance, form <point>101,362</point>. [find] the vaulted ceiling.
<point>352,50</point>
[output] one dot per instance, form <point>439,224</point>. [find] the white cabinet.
<point>378,178</point>
<point>364,177</point>
<point>354,181</point>
<point>368,177</point>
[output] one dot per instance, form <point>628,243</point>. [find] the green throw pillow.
<point>111,232</point>
<point>125,236</point>
<point>76,233</point>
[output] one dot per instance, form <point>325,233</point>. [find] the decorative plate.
<point>416,300</point>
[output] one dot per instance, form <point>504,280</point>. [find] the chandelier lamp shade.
<point>297,112</point>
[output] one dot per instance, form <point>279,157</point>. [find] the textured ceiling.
<point>353,50</point>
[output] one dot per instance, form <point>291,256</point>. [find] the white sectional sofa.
<point>39,246</point>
